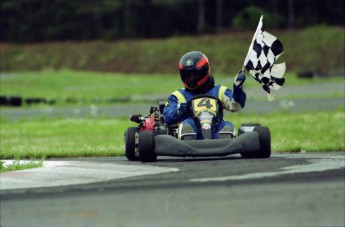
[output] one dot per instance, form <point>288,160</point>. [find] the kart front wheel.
<point>147,146</point>
<point>265,144</point>
<point>130,143</point>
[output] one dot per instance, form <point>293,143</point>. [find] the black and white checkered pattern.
<point>264,50</point>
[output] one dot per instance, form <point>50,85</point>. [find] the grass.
<point>83,87</point>
<point>291,132</point>
<point>19,165</point>
<point>294,132</point>
<point>101,136</point>
<point>75,87</point>
<point>62,138</point>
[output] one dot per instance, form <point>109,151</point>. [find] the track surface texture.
<point>288,189</point>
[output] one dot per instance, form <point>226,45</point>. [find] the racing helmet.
<point>194,69</point>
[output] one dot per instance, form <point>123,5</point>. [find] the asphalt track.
<point>299,189</point>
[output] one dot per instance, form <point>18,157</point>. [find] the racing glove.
<point>183,110</point>
<point>239,79</point>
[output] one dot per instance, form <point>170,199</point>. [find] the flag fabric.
<point>263,52</point>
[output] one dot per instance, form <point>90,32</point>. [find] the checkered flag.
<point>263,52</point>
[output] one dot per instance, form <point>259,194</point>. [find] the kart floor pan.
<point>166,145</point>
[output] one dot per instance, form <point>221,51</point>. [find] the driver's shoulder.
<point>219,90</point>
<point>219,86</point>
<point>180,94</point>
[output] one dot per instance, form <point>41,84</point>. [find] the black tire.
<point>265,144</point>
<point>15,101</point>
<point>130,143</point>
<point>4,101</point>
<point>147,146</point>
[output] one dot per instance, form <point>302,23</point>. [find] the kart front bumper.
<point>166,145</point>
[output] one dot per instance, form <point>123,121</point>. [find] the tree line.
<point>60,20</point>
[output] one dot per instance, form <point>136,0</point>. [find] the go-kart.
<point>153,137</point>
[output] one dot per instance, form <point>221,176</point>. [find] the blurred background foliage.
<point>149,36</point>
<point>60,20</point>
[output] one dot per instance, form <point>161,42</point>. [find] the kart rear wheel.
<point>130,143</point>
<point>147,146</point>
<point>265,144</point>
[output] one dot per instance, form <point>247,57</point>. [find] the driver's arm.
<point>234,101</point>
<point>170,112</point>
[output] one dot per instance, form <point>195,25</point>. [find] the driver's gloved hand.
<point>183,110</point>
<point>239,79</point>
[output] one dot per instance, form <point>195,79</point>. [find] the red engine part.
<point>148,124</point>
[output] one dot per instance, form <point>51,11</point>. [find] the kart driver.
<point>195,74</point>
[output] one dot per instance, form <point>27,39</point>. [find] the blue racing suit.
<point>231,100</point>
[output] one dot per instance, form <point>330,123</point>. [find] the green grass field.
<point>322,131</point>
<point>101,136</point>
<point>99,88</point>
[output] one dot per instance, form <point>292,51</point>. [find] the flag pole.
<point>270,96</point>
<point>258,28</point>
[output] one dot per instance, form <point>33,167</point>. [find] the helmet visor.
<point>193,78</point>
